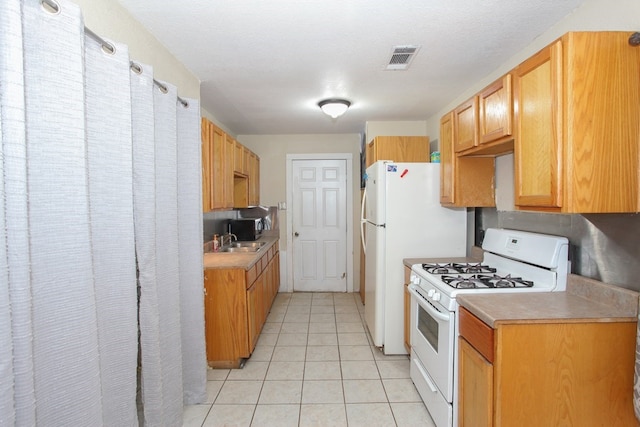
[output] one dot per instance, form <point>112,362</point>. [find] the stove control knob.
<point>436,296</point>
<point>415,280</point>
<point>430,293</point>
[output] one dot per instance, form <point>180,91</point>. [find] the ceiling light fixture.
<point>334,107</point>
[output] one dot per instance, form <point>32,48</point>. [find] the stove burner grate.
<point>480,281</point>
<point>456,267</point>
<point>460,282</point>
<point>506,281</point>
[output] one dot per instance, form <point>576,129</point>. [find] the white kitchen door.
<point>319,220</point>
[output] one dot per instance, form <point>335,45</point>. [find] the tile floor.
<point>314,365</point>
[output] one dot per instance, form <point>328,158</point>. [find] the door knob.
<point>296,234</point>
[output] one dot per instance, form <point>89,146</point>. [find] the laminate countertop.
<point>585,300</point>
<point>238,260</point>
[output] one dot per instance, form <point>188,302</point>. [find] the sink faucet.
<point>229,237</point>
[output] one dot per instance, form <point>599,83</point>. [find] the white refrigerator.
<point>402,218</point>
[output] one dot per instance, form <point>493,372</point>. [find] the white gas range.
<point>513,261</point>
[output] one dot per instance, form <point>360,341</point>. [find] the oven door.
<point>432,339</point>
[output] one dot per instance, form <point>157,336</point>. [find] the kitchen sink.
<point>257,245</point>
<point>239,249</point>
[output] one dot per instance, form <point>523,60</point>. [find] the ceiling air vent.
<point>401,57</point>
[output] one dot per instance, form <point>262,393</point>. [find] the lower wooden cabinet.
<point>546,374</point>
<point>237,303</point>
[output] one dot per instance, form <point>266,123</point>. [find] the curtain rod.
<point>53,7</point>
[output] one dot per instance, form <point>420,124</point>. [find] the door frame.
<point>348,157</point>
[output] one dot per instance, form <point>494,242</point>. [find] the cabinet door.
<point>226,322</point>
<point>206,132</point>
<point>465,122</point>
<point>446,159</point>
<point>267,289</point>
<point>475,387</point>
<point>496,111</point>
<point>246,154</point>
<point>398,149</point>
<point>253,313</point>
<point>254,179</point>
<point>238,158</point>
<point>276,272</point>
<point>222,172</point>
<point>227,178</point>
<point>538,135</point>
<point>601,123</point>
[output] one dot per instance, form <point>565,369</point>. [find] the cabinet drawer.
<point>477,333</point>
<point>252,274</point>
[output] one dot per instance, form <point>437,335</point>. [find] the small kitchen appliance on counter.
<point>513,261</point>
<point>246,229</point>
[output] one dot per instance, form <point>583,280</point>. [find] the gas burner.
<point>507,281</point>
<point>473,267</point>
<point>440,268</point>
<point>462,282</point>
<point>457,268</point>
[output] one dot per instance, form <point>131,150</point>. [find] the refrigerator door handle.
<point>363,221</point>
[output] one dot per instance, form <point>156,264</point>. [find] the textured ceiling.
<point>264,65</point>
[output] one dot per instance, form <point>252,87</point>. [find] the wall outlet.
<point>282,206</point>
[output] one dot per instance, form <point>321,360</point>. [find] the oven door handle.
<point>427,307</point>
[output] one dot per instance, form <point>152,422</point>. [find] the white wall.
<point>593,15</point>
<point>109,20</point>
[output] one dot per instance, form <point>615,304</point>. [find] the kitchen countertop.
<point>476,256</point>
<point>240,260</point>
<point>586,300</point>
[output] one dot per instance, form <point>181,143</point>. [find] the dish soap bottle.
<point>216,243</point>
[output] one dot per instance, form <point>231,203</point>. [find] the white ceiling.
<point>265,64</point>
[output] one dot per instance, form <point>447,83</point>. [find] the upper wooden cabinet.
<point>217,174</point>
<point>577,125</point>
<point>206,165</point>
<point>465,122</point>
<point>483,125</point>
<point>446,160</point>
<point>464,181</point>
<point>241,159</point>
<point>254,179</point>
<point>230,171</point>
<point>495,111</point>
<point>398,149</point>
<point>239,165</point>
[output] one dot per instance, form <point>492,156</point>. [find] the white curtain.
<point>100,230</point>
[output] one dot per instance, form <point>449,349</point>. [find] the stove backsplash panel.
<point>604,247</point>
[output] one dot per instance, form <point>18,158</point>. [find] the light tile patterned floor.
<point>314,365</point>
